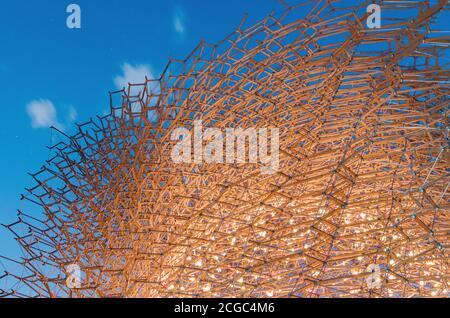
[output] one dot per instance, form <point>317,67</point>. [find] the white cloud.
<point>43,114</point>
<point>134,74</point>
<point>178,21</point>
<point>73,114</point>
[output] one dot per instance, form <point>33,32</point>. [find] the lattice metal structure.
<point>362,184</point>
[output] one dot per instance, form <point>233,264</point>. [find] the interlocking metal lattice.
<point>363,179</point>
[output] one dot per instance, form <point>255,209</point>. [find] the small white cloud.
<point>72,115</point>
<point>134,74</point>
<point>43,114</point>
<point>178,21</point>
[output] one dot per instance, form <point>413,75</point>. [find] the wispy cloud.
<point>72,115</point>
<point>43,114</point>
<point>179,21</point>
<point>133,74</point>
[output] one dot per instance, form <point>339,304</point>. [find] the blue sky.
<point>52,75</point>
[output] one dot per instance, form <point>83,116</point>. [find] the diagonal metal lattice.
<point>362,185</point>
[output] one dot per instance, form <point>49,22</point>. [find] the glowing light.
<point>207,288</point>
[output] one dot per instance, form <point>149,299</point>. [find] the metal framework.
<point>363,179</point>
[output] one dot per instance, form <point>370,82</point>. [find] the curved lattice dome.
<point>358,207</point>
